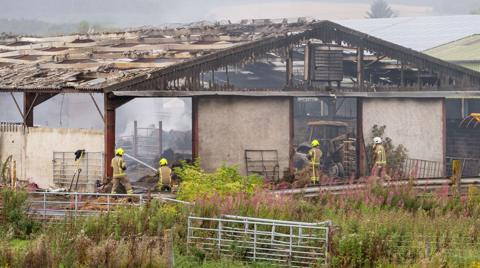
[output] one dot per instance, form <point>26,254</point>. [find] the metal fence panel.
<point>419,168</point>
<point>470,167</point>
<point>49,205</point>
<point>61,204</point>
<point>263,162</point>
<point>64,167</point>
<point>284,243</point>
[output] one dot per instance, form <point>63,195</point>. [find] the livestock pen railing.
<point>284,243</point>
<point>65,169</point>
<point>419,168</point>
<point>61,204</point>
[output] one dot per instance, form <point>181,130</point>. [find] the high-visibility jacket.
<point>118,166</point>
<point>165,175</point>
<point>315,156</point>
<point>379,154</point>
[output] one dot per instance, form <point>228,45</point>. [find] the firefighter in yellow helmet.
<point>119,175</point>
<point>379,158</point>
<point>314,155</point>
<point>164,176</point>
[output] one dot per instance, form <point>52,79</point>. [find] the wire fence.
<point>429,246</point>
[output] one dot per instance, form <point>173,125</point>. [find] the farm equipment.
<point>471,121</point>
<point>337,143</point>
<point>76,175</point>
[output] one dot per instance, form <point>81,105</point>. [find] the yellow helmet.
<point>119,151</point>
<point>315,143</point>
<point>163,162</point>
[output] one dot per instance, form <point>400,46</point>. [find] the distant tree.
<point>475,12</point>
<point>83,26</point>
<point>380,9</point>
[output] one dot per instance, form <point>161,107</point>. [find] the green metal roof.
<point>463,51</point>
<point>474,65</point>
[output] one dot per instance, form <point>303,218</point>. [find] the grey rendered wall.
<point>227,126</point>
<point>416,123</point>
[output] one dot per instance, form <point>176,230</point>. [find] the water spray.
<point>140,162</point>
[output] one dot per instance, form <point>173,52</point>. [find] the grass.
<point>19,244</point>
<point>191,262</point>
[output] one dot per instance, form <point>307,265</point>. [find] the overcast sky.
<point>124,13</point>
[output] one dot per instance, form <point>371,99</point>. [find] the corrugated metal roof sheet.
<point>419,33</point>
<point>466,49</point>
<point>474,66</point>
<point>103,63</point>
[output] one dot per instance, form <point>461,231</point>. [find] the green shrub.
<point>396,155</point>
<point>224,181</point>
<point>16,221</point>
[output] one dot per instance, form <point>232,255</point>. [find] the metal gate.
<point>64,167</point>
<point>263,162</point>
<point>283,243</point>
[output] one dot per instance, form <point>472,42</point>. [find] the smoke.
<point>9,112</point>
<point>127,13</point>
<point>63,110</point>
<point>79,111</point>
<point>175,114</point>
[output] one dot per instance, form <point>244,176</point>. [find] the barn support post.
<point>361,150</point>
<point>289,66</point>
<point>291,148</point>
<point>360,68</point>
<point>30,101</point>
<point>195,136</point>
<point>111,104</point>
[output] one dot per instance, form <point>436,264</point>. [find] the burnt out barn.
<point>258,91</point>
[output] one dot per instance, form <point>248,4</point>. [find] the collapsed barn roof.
<point>151,59</point>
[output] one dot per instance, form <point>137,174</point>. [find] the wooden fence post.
<point>456,176</point>
<point>168,251</point>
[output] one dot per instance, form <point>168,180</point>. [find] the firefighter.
<point>314,155</point>
<point>119,175</point>
<point>379,158</point>
<point>164,176</point>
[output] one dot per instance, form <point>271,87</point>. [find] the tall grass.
<point>129,237</point>
<point>375,226</point>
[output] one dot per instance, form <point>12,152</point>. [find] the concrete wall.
<point>418,124</point>
<point>227,126</point>
<point>33,149</point>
